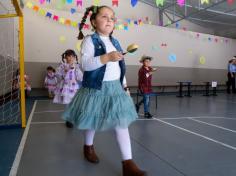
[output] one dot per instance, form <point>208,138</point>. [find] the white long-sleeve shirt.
<point>89,62</point>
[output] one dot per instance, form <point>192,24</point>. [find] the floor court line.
<point>14,168</point>
<point>210,124</point>
<point>40,112</point>
<point>139,119</point>
<point>199,135</point>
<point>203,117</point>
<point>39,123</point>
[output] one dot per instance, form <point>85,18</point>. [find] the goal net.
<point>10,92</point>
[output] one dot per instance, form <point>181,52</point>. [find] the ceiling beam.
<point>199,11</point>
<point>214,22</point>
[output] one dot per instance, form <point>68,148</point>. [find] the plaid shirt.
<point>145,80</point>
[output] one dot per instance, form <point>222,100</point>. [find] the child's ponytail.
<point>63,57</point>
<point>82,23</point>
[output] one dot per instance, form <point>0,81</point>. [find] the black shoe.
<point>69,124</point>
<point>147,115</point>
<point>137,108</point>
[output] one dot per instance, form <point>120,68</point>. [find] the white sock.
<point>88,137</point>
<point>123,139</point>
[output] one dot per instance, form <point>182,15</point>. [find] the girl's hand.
<point>115,56</point>
<point>154,69</point>
<point>127,92</point>
<point>112,56</point>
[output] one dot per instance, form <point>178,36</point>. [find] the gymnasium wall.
<point>43,48</point>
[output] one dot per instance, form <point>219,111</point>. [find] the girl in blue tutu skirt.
<point>102,102</point>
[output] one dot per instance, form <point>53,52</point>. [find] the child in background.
<point>68,77</point>
<point>16,83</point>
<point>145,84</point>
<point>102,102</point>
<point>50,81</point>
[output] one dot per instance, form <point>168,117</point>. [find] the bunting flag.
<point>63,1</point>
<point>72,10</point>
<point>115,3</point>
<point>62,20</point>
<point>181,2</point>
<point>36,8</point>
<point>41,1</point>
<point>42,12</point>
<point>169,23</point>
<point>177,25</point>
<point>96,2</point>
<point>29,5</point>
<point>67,22</point>
<point>69,1</point>
<point>48,14</point>
<point>79,3</point>
<point>230,2</point>
<point>74,24</point>
<point>159,2</point>
<point>55,18</point>
<point>134,2</point>
<point>204,1</point>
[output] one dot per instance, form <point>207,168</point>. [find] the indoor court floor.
<point>187,137</point>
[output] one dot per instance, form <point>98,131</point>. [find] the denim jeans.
<point>146,101</point>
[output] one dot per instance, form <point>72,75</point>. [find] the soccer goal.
<point>12,84</point>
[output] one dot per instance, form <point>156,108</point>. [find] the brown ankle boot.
<point>90,155</point>
<point>131,169</point>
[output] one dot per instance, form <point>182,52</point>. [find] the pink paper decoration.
<point>79,3</point>
<point>115,3</point>
<point>181,2</point>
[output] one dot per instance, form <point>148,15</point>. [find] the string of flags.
<point>79,3</point>
<point>120,23</point>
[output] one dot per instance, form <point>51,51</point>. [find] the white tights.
<point>122,137</point>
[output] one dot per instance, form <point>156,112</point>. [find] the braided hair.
<point>67,53</point>
<point>94,11</point>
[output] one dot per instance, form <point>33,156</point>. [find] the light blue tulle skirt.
<point>102,109</point>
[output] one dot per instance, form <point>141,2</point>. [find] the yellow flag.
<point>62,20</point>
<point>29,5</point>
<point>96,2</point>
<point>204,1</point>
<point>74,24</point>
<point>42,12</point>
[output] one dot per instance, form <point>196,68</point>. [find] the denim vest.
<point>93,79</point>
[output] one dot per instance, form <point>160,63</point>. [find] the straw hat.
<point>144,57</point>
